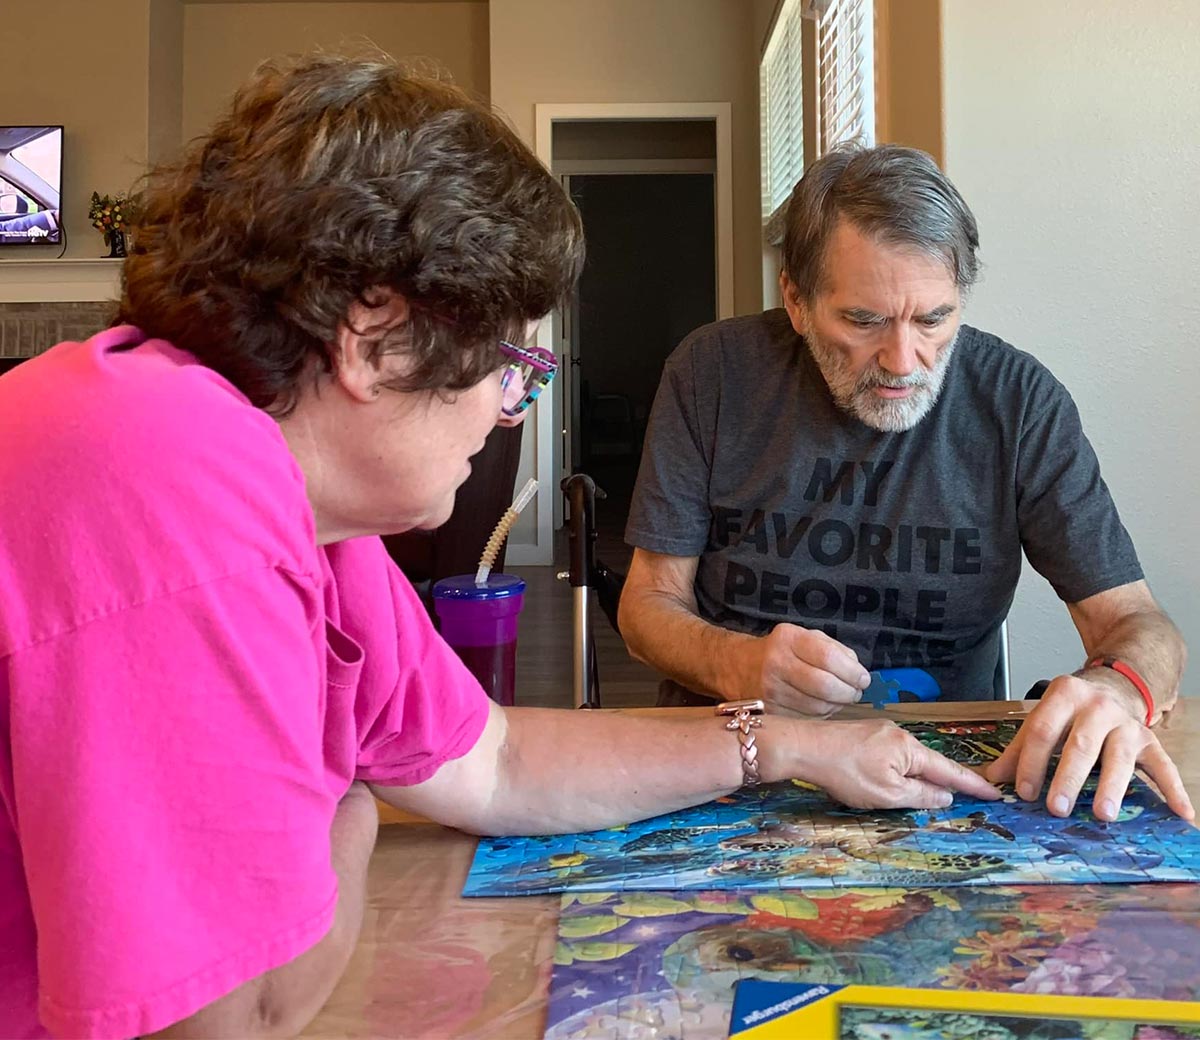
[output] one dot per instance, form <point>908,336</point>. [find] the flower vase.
<point>116,243</point>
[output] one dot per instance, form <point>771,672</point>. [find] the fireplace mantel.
<point>70,280</point>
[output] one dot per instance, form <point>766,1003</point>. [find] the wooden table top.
<point>430,964</point>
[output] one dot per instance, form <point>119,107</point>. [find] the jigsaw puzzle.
<point>765,1010</point>
<point>632,965</point>
<point>790,835</point>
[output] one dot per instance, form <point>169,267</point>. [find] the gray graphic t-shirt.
<point>904,546</point>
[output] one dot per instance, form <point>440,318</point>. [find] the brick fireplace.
<point>44,302</point>
<point>27,329</point>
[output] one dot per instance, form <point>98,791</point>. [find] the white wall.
<point>1073,130</point>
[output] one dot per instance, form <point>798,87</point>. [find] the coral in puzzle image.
<point>680,954</point>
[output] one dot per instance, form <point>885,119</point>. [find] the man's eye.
<point>932,321</point>
<point>866,323</point>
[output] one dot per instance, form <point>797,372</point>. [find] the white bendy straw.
<point>509,518</point>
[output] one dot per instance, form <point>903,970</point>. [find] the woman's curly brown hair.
<point>330,176</point>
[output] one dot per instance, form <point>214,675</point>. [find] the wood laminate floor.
<point>545,651</point>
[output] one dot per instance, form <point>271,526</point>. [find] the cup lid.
<point>462,586</point>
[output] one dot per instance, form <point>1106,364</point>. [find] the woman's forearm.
<point>607,769</point>
<point>547,771</point>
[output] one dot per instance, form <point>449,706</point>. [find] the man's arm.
<point>549,771</point>
<point>1098,715</point>
<point>793,669</point>
<point>1127,623</point>
<point>661,627</point>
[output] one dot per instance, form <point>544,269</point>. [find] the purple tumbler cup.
<point>480,624</point>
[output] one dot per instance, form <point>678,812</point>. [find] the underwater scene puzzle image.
<point>791,835</point>
<point>633,965</point>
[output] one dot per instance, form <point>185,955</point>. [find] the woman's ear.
<point>357,363</point>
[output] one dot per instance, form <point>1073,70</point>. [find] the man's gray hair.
<point>897,195</point>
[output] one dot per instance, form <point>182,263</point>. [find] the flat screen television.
<point>31,185</point>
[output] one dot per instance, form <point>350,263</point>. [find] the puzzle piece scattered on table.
<point>789,835</point>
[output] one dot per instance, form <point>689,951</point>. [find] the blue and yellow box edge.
<point>786,1010</point>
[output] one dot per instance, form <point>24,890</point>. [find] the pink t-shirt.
<point>188,684</point>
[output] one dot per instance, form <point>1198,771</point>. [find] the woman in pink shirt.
<point>207,662</point>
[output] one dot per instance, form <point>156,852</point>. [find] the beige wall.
<point>1071,131</point>
<point>556,51</point>
<point>637,51</point>
<point>909,88</point>
<point>165,80</point>
<point>222,43</point>
<point>94,82</point>
<point>130,79</point>
<point>762,19</point>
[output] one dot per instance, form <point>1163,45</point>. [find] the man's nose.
<point>899,352</point>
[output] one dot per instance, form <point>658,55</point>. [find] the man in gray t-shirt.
<point>846,486</point>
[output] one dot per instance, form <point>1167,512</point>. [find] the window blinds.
<point>845,73</point>
<point>843,82</point>
<point>781,86</point>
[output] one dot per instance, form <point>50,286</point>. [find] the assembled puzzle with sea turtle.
<point>791,835</point>
<point>641,965</point>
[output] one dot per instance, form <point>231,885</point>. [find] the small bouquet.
<point>110,213</point>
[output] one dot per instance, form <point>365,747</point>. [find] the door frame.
<point>567,331</point>
<point>541,550</point>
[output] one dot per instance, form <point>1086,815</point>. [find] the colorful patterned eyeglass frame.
<point>535,366</point>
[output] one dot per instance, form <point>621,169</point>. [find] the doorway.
<point>649,280</point>
<point>581,139</point>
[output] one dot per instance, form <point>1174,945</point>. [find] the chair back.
<point>1002,680</point>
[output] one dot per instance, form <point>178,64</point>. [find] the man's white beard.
<point>857,396</point>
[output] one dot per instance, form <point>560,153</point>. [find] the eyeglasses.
<point>528,373</point>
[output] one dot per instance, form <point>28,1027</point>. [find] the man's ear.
<point>796,308</point>
<point>357,364</point>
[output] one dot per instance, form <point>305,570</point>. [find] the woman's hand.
<point>873,764</point>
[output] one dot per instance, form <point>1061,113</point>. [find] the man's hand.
<point>875,764</point>
<point>801,671</point>
<point>1095,720</point>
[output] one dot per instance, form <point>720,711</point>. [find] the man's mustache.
<point>870,380</point>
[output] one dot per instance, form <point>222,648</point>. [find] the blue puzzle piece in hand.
<point>881,691</point>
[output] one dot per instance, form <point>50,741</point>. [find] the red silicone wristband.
<point>1119,666</point>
